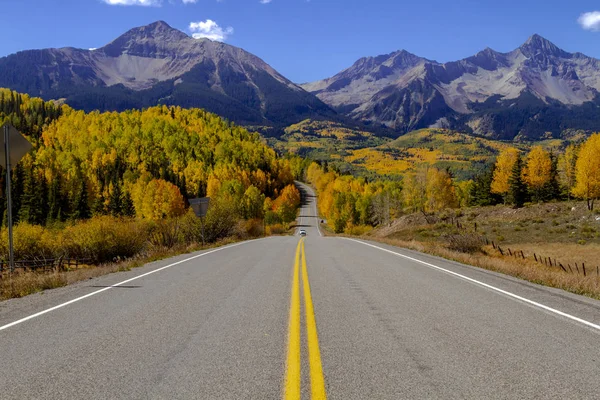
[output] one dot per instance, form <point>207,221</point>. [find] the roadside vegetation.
<point>529,214</point>
<point>106,187</point>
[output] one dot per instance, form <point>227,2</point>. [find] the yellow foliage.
<point>441,193</point>
<point>538,168</point>
<point>157,199</point>
<point>504,165</point>
<point>588,170</point>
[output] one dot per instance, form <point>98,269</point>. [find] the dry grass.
<point>519,268</point>
<point>566,253</point>
<point>25,283</point>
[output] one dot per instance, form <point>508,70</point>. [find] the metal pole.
<point>202,223</point>
<point>11,255</point>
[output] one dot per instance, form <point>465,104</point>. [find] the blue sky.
<point>307,40</point>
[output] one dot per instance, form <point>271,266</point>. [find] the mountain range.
<point>157,64</point>
<point>534,92</point>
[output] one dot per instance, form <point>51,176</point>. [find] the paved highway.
<point>286,317</point>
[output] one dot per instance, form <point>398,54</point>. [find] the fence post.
<point>562,267</point>
<point>583,267</point>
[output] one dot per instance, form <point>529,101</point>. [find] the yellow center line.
<point>317,381</point>
<point>293,368</point>
<point>292,376</point>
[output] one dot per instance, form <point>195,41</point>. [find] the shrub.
<point>464,243</point>
<point>166,233</point>
<point>276,229</point>
<point>359,230</point>
<point>253,228</point>
<point>220,221</point>
<point>106,238</point>
<point>31,242</point>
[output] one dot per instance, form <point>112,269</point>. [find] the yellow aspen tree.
<point>538,170</point>
<point>588,171</point>
<point>504,165</point>
<point>568,172</point>
<point>413,191</point>
<point>440,191</point>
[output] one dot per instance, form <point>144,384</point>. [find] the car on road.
<point>302,232</point>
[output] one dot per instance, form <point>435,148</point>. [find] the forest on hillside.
<point>355,204</point>
<point>137,163</point>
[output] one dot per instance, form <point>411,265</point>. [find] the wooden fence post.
<point>563,268</point>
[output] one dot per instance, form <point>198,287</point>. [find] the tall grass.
<point>517,267</point>
<point>110,244</point>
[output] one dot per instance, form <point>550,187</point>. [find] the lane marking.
<point>20,321</point>
<point>292,369</point>
<point>317,381</point>
<point>523,299</point>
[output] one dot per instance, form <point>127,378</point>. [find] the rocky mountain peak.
<point>146,41</point>
<point>537,45</point>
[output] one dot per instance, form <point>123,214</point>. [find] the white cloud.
<point>133,2</point>
<point>265,1</point>
<point>190,1</point>
<point>590,21</point>
<point>211,30</point>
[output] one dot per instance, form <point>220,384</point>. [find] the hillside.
<point>526,94</point>
<point>136,163</point>
<point>159,65</point>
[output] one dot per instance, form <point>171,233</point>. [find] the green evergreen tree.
<point>81,208</point>
<point>43,200</point>
<point>57,204</point>
<point>115,201</point>
<point>552,190</point>
<point>98,205</point>
<point>481,191</point>
<point>517,192</point>
<point>17,178</point>
<point>128,208</point>
<point>30,210</point>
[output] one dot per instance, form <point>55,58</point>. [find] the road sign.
<point>200,206</point>
<point>15,146</point>
<point>19,146</point>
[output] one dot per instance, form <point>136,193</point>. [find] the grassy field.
<point>560,233</point>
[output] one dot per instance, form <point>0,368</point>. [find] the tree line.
<point>541,176</point>
<point>514,178</point>
<point>140,163</point>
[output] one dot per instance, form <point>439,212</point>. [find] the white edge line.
<point>531,302</point>
<point>20,321</point>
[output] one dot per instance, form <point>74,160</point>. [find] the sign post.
<point>20,147</point>
<point>200,207</point>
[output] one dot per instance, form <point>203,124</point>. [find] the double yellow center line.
<point>293,371</point>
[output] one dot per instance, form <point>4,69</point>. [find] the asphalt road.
<point>385,323</point>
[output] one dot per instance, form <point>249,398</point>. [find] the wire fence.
<point>576,268</point>
<point>44,264</point>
